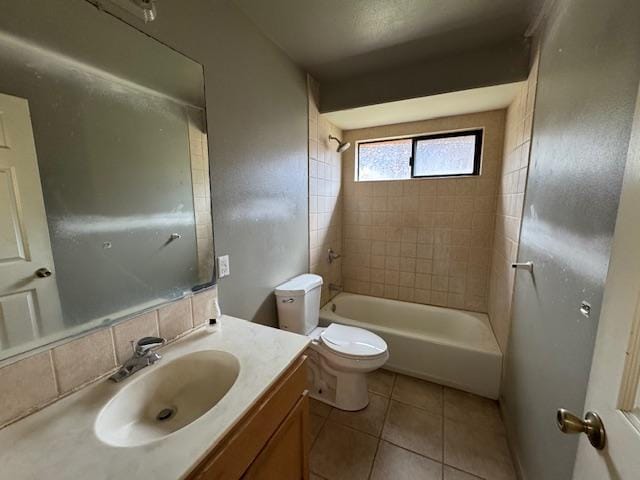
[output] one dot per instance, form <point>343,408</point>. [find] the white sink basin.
<point>167,398</point>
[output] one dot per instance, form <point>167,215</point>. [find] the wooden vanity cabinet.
<point>271,441</point>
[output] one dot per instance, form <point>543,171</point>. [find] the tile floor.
<point>411,430</point>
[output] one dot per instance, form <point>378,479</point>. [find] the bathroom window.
<point>438,155</point>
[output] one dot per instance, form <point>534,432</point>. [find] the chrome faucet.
<point>143,356</point>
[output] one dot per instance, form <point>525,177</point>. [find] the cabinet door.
<point>286,454</point>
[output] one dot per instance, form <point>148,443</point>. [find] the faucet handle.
<point>148,343</point>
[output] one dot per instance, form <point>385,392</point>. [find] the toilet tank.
<point>298,303</point>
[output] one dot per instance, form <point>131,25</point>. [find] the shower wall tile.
<point>513,180</point>
<point>423,240</point>
<point>325,203</point>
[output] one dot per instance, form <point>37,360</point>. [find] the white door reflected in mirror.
<point>28,289</point>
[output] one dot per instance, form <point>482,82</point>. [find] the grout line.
<point>384,421</point>
<point>443,433</point>
<point>413,451</point>
<point>463,471</point>
<point>419,408</point>
<point>324,421</point>
<point>349,428</point>
<point>373,460</point>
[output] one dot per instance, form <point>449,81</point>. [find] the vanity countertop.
<point>59,441</point>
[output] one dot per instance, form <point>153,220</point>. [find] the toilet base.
<point>344,390</point>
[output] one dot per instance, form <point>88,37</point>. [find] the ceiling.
<point>436,106</point>
<point>335,39</point>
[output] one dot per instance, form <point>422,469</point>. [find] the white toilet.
<point>339,356</point>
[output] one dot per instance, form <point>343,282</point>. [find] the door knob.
<point>43,272</point>
<point>592,426</point>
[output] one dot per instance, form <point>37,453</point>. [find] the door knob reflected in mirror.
<point>592,426</point>
<point>43,272</point>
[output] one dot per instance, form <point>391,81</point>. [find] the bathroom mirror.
<point>110,214</point>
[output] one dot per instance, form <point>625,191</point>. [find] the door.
<point>613,391</point>
<point>28,290</point>
<point>587,83</point>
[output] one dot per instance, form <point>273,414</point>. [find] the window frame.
<point>478,133</point>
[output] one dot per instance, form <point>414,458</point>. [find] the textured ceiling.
<point>335,39</point>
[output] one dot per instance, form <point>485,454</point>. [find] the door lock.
<point>592,426</point>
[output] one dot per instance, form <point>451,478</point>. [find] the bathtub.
<point>442,345</point>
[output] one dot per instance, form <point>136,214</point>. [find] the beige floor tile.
<point>369,420</point>
<point>315,424</point>
<point>319,408</point>
<point>477,450</point>
<point>381,382</point>
<point>418,393</point>
<point>451,473</point>
<point>415,429</point>
<point>399,464</point>
<point>465,407</point>
<point>341,453</point>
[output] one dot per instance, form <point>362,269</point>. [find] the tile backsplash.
<point>423,240</point>
<point>35,381</point>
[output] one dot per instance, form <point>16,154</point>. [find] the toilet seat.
<point>353,342</point>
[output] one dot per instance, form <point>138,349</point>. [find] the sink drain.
<point>165,414</point>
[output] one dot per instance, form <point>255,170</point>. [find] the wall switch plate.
<point>223,266</point>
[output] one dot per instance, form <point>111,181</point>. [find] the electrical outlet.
<point>223,266</point>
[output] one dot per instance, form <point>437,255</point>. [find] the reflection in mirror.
<point>104,174</point>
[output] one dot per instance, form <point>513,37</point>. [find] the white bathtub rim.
<point>332,317</point>
<point>483,317</point>
<point>492,344</point>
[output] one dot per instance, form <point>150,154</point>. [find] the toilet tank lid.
<point>299,285</point>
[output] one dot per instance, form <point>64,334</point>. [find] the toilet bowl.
<point>339,356</point>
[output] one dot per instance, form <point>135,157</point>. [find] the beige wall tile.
<point>429,225</point>
<point>509,205</point>
<point>84,359</point>
<point>26,385</point>
<point>175,319</point>
<point>124,333</point>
